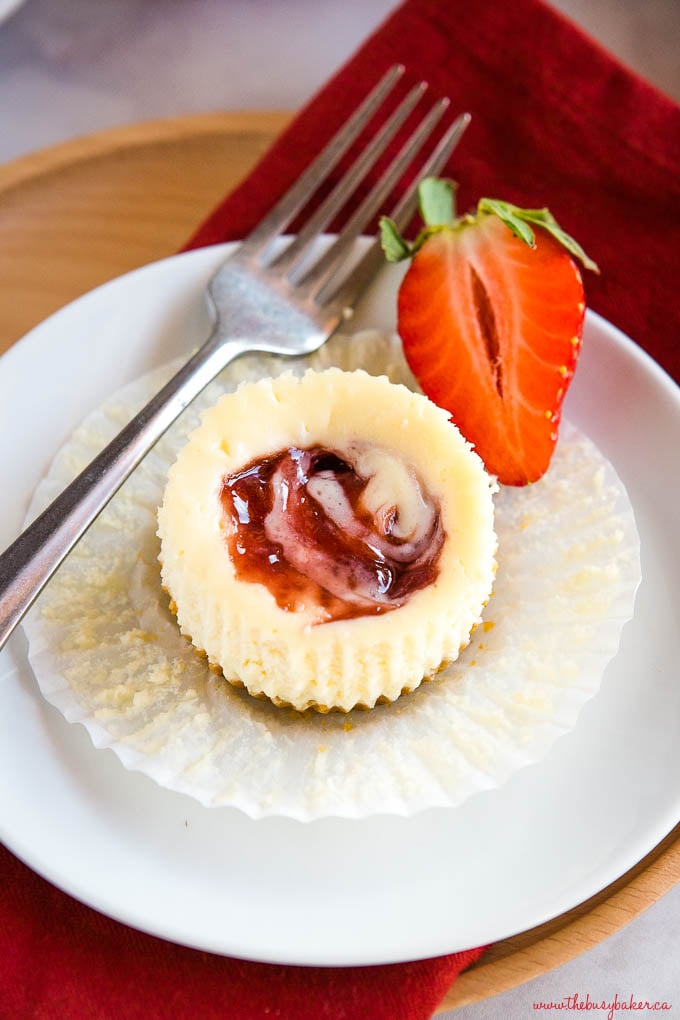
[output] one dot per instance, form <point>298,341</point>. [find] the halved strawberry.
<point>490,313</point>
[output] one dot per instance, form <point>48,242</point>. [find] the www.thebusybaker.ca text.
<point>609,1006</point>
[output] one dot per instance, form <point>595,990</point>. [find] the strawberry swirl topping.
<point>352,533</point>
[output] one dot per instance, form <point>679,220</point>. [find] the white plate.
<point>338,892</point>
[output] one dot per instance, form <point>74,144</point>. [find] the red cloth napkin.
<point>555,121</point>
<point>60,960</point>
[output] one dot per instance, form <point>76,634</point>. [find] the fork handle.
<point>27,565</point>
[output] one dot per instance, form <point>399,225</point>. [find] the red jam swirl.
<point>301,522</point>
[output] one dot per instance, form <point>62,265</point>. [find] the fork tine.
<point>334,202</point>
<point>293,200</point>
<point>317,277</point>
<point>361,275</point>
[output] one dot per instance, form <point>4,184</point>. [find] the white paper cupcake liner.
<point>107,653</point>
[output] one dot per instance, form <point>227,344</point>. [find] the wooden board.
<point>76,215</point>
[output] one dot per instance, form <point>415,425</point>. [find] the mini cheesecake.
<point>327,541</point>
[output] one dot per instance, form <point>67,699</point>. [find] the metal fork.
<point>262,301</point>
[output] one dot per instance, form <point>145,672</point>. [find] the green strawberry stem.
<point>437,208</point>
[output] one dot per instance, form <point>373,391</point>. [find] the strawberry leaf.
<point>519,220</point>
<point>437,208</point>
<point>393,244</point>
<point>437,201</point>
<point>511,215</point>
<point>544,218</point>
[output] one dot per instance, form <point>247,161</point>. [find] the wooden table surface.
<point>79,214</point>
